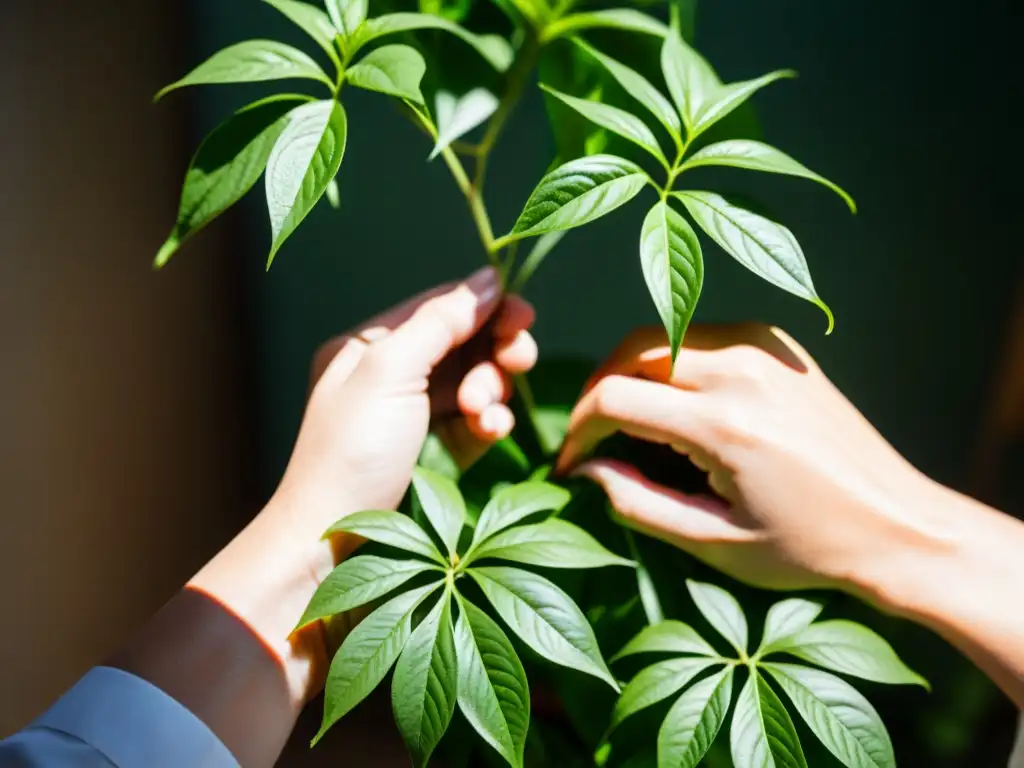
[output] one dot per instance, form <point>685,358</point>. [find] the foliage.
<point>643,118</point>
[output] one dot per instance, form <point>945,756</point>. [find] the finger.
<point>495,423</point>
<point>340,356</point>
<point>680,518</point>
<point>643,409</point>
<point>518,354</point>
<point>483,386</point>
<point>444,322</point>
<point>516,314</point>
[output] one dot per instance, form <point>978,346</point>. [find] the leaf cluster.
<point>456,655</point>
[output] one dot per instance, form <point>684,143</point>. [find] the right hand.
<point>810,495</point>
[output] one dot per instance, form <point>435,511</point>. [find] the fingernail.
<point>486,284</point>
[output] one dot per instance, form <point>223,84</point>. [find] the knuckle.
<point>607,396</point>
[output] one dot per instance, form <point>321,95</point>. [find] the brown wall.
<point>119,466</point>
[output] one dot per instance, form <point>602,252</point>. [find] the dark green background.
<point>906,104</point>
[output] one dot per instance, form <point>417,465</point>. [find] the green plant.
<point>611,126</point>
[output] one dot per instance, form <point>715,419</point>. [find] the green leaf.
<point>763,734</point>
<point>304,161</point>
<point>458,115</point>
<point>656,683</point>
<point>436,457</point>
<point>313,22</point>
<point>552,424</point>
<point>495,50</point>
<point>577,193</point>
<point>625,19</point>
<point>637,86</point>
<point>673,267</point>
<point>391,528</point>
<point>694,721</point>
<point>756,156</point>
<point>493,693</point>
<point>228,164</point>
<point>853,649</point>
<point>333,195</point>
<point>396,70</point>
<point>786,619</point>
<point>367,654</point>
<point>616,120</point>
<point>667,637</point>
<point>767,249</point>
<point>722,101</point>
<point>841,717</point>
<point>722,611</point>
<point>442,504</point>
<point>347,15</point>
<point>515,503</point>
<point>254,61</point>
<point>423,690</point>
<point>691,80</point>
<point>358,581</point>
<point>553,543</point>
<point>545,618</point>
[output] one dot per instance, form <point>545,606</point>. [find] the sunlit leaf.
<point>423,690</point>
<point>673,267</point>
<point>579,192</point>
<point>756,156</point>
<point>720,102</point>
<point>253,61</point>
<point>458,115</point>
<point>626,19</point>
<point>516,503</point>
<point>305,159</point>
<point>762,733</point>
<point>545,618</point>
<point>228,164</point>
<point>850,648</point>
<point>694,721</point>
<point>637,86</point>
<point>722,611</point>
<point>616,120</point>
<point>691,80</point>
<point>313,21</point>
<point>767,249</point>
<point>667,637</point>
<point>391,528</point>
<point>358,581</point>
<point>442,504</point>
<point>493,693</point>
<point>841,717</point>
<point>656,683</point>
<point>494,49</point>
<point>367,654</point>
<point>347,15</point>
<point>785,619</point>
<point>553,543</point>
<point>396,70</point>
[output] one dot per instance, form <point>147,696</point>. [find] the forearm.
<point>223,646</point>
<point>964,579</point>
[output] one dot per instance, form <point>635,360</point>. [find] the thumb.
<point>662,512</point>
<point>445,322</point>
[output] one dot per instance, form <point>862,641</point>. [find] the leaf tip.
<point>828,313</point>
<point>167,250</point>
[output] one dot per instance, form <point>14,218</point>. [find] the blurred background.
<point>145,418</point>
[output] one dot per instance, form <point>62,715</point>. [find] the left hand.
<point>432,361</point>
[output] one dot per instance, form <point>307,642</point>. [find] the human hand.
<point>809,494</point>
<point>431,361</point>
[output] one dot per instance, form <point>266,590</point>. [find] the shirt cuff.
<point>134,724</point>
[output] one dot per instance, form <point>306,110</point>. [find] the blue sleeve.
<point>111,719</point>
